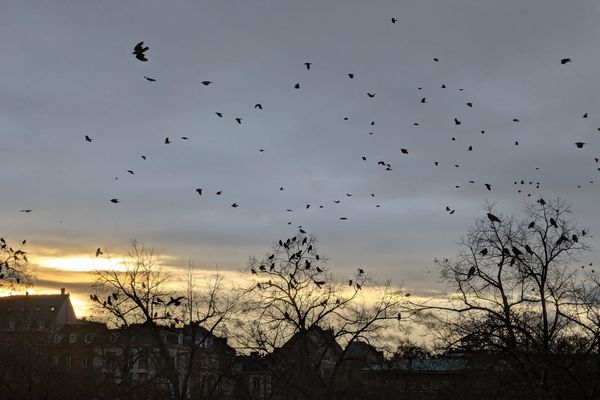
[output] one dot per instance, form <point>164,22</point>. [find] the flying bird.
<point>307,65</point>
<point>488,186</point>
<point>149,79</point>
<point>297,86</point>
<point>139,51</point>
<point>219,114</point>
<point>580,144</point>
<point>235,205</point>
<point>167,141</point>
<point>239,120</point>
<point>99,252</point>
<point>258,105</point>
<point>199,191</point>
<point>26,211</point>
<point>563,61</point>
<point>457,121</point>
<point>351,76</point>
<point>87,138</point>
<point>371,95</point>
<point>114,201</point>
<point>394,20</point>
<point>206,83</point>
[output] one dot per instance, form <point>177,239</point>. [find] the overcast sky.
<point>68,71</point>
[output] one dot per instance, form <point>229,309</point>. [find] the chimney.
<point>62,291</point>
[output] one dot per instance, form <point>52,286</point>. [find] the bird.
<point>584,115</point>
<point>99,252</point>
<point>531,224</point>
<point>488,186</point>
<point>493,218</point>
<point>436,59</point>
<point>307,65</point>
<point>528,249</point>
<point>457,121</point>
<point>563,61</point>
<point>394,20</point>
<point>371,95</point>
<point>219,193</point>
<point>199,191</point>
<point>343,218</point>
<point>297,86</point>
<point>87,138</point>
<point>26,211</point>
<point>470,104</point>
<point>235,205</point>
<point>219,114</point>
<point>516,120</point>
<point>239,120</point>
<point>130,171</point>
<point>580,144</point>
<point>149,79</point>
<point>553,222</point>
<point>351,76</point>
<point>139,51</point>
<point>484,252</point>
<point>114,201</point>
<point>206,83</point>
<point>143,157</point>
<point>167,141</point>
<point>258,105</point>
<point>184,137</point>
<point>471,272</point>
<point>404,151</point>
<point>424,100</point>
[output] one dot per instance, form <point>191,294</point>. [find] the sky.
<point>68,72</point>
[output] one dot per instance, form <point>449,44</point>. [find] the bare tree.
<point>512,282</point>
<point>296,306</point>
<point>14,271</point>
<point>141,293</point>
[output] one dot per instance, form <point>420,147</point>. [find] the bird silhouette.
<point>371,95</point>
<point>563,61</point>
<point>114,201</point>
<point>580,144</point>
<point>493,218</point>
<point>206,83</point>
<point>149,79</point>
<point>258,105</point>
<point>87,138</point>
<point>351,76</point>
<point>307,65</point>
<point>139,51</point>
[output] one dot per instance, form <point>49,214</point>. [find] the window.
<point>41,324</point>
<point>110,362</point>
<point>72,338</point>
<point>85,361</point>
<point>11,324</point>
<point>89,338</point>
<point>68,360</point>
<point>54,361</point>
<point>58,339</point>
<point>142,361</point>
<point>255,385</point>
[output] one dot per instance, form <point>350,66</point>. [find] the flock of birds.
<point>525,185</point>
<point>140,49</point>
